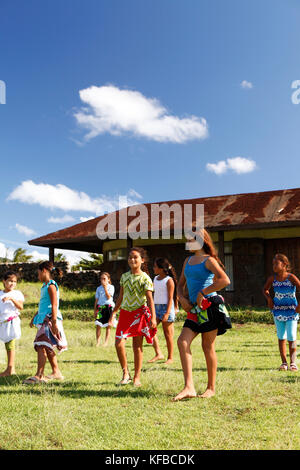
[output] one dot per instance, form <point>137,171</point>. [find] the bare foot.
<point>156,358</point>
<point>207,394</point>
<point>97,345</point>
<point>185,393</point>
<point>8,373</point>
<point>137,383</point>
<point>54,377</point>
<point>105,345</point>
<point>169,361</point>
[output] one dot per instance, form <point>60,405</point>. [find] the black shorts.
<point>217,318</point>
<point>103,315</point>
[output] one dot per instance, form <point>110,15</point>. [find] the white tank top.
<point>161,290</point>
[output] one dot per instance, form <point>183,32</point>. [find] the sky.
<point>153,100</point>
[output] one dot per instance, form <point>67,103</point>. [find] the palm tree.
<point>60,257</point>
<point>20,256</point>
<point>86,264</point>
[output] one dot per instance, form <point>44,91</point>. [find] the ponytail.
<point>51,268</point>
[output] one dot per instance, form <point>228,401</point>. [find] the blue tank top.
<point>45,306</point>
<point>197,278</point>
<point>285,301</point>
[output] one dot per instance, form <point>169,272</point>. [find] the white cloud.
<point>237,164</point>
<point>61,220</point>
<point>246,84</point>
<point>115,111</point>
<point>85,219</point>
<point>62,197</point>
<point>24,230</point>
<point>218,168</point>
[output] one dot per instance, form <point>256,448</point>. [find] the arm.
<point>17,303</point>
<point>185,301</point>
<point>296,283</point>
<point>150,303</point>
<point>95,308</point>
<point>170,288</point>
<point>266,292</point>
<point>53,298</point>
<point>107,294</point>
<point>220,281</point>
<point>117,306</point>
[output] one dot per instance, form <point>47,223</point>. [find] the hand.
<point>31,323</point>
<point>153,323</point>
<point>270,303</point>
<point>185,303</point>
<point>200,297</point>
<point>165,318</point>
<point>54,329</point>
<point>7,299</point>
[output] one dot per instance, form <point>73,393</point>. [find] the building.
<point>248,230</point>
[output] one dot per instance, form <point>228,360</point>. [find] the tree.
<point>60,257</point>
<point>86,264</point>
<point>20,256</point>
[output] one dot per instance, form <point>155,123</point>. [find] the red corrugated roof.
<point>239,211</point>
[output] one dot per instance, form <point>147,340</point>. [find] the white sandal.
<point>284,366</point>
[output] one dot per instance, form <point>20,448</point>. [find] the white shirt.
<point>101,296</point>
<point>161,290</point>
<point>8,309</point>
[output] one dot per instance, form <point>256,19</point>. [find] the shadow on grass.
<point>289,379</point>
<point>85,361</point>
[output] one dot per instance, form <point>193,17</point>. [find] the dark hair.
<point>163,263</point>
<point>9,274</point>
<point>143,255</point>
<point>106,274</point>
<point>284,260</point>
<point>209,247</point>
<point>51,268</point>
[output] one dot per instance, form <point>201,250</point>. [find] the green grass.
<point>256,406</point>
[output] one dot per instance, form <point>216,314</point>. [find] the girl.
<point>103,307</point>
<point>48,320</point>
<point>165,301</point>
<point>204,275</point>
<point>284,307</point>
<point>11,302</point>
<point>136,319</point>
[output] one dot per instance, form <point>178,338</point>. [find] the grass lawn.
<point>256,406</point>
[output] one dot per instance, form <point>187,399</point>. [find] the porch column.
<point>221,246</point>
<point>51,254</point>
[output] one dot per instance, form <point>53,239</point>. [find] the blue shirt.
<point>284,300</point>
<point>45,306</point>
<point>101,296</point>
<point>197,278</point>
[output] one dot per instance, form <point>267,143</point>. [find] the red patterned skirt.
<point>135,323</point>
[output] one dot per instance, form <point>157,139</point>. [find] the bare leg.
<point>158,354</point>
<point>107,335</point>
<point>10,370</point>
<point>98,334</point>
<point>121,352</point>
<point>168,328</point>
<point>208,346</point>
<point>293,351</point>
<point>282,350</point>
<point>42,357</point>
<point>56,373</point>
<point>137,344</point>
<point>184,342</point>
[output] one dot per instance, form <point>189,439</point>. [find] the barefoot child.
<point>48,320</point>
<point>103,307</point>
<point>11,302</point>
<point>165,301</point>
<point>204,276</point>
<point>136,319</point>
<point>284,307</point>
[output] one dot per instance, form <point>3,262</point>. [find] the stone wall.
<point>73,280</point>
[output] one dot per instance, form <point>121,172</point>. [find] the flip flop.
<point>50,377</point>
<point>34,381</point>
<point>293,367</point>
<point>124,381</point>
<point>283,366</point>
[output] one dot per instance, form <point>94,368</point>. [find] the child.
<point>204,275</point>
<point>48,320</point>
<point>284,307</point>
<point>11,302</point>
<point>136,319</point>
<point>103,307</point>
<point>165,301</point>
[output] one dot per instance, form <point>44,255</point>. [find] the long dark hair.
<point>51,268</point>
<point>163,263</point>
<point>209,247</point>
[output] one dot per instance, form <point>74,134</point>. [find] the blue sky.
<point>161,89</point>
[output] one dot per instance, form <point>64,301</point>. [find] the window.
<point>228,261</point>
<point>117,255</point>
